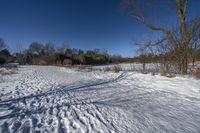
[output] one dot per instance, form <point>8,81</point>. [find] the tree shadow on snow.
<point>85,86</point>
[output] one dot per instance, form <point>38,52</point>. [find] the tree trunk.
<point>184,66</point>
<point>184,35</point>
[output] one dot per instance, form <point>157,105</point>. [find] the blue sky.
<point>84,24</point>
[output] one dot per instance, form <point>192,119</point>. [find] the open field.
<point>57,99</point>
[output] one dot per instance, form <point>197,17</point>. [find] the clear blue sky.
<point>84,24</point>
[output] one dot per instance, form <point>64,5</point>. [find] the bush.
<point>82,66</point>
<point>115,69</point>
<point>106,69</point>
<point>42,62</point>
<point>67,62</point>
<point>4,52</point>
<point>167,74</point>
<point>2,61</point>
<point>58,58</point>
<point>196,73</point>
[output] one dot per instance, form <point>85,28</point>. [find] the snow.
<point>151,67</point>
<point>58,99</point>
<point>131,66</point>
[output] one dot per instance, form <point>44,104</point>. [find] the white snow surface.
<point>54,99</point>
<point>131,66</point>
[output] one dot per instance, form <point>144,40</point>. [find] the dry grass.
<point>167,74</point>
<point>196,73</point>
<point>82,66</point>
<point>114,69</point>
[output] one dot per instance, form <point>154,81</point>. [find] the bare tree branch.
<point>185,6</point>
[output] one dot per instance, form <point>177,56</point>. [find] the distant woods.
<point>47,54</point>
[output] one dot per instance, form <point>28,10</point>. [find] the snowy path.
<point>52,99</point>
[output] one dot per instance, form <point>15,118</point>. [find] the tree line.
<point>47,54</point>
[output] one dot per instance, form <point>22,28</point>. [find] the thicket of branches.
<point>178,46</point>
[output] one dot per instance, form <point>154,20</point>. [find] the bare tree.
<point>159,51</point>
<point>179,44</point>
<point>18,46</point>
<point>64,46</point>
<point>194,45</point>
<point>2,44</point>
<point>49,48</point>
<point>36,48</point>
<point>19,54</point>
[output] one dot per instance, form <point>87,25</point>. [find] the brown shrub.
<point>67,62</point>
<point>82,66</point>
<point>115,69</point>
<point>106,69</point>
<point>167,74</point>
<point>196,73</point>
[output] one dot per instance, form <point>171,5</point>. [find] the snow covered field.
<point>156,67</point>
<point>54,99</point>
<point>131,66</point>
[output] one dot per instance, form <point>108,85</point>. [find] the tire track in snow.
<point>86,86</point>
<point>125,103</point>
<point>31,114</point>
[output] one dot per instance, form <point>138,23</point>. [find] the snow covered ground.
<point>151,67</point>
<point>131,66</point>
<point>54,99</point>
